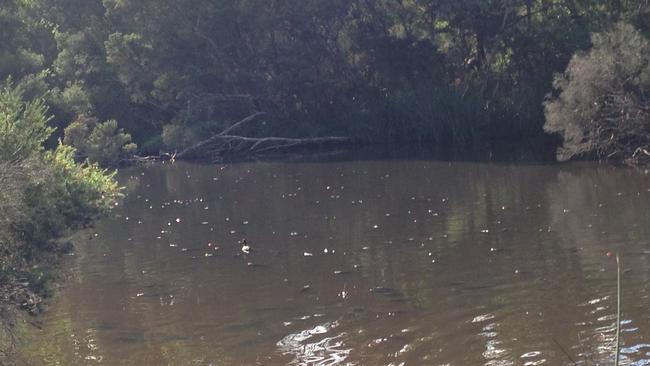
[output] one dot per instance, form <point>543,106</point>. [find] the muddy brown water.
<point>395,262</point>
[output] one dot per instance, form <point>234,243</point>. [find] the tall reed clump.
<point>448,116</point>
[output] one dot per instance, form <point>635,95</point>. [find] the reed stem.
<point>618,309</point>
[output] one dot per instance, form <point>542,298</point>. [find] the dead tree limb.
<point>230,145</point>
<point>226,144</point>
<point>244,121</point>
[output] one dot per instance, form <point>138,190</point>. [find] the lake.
<point>358,262</point>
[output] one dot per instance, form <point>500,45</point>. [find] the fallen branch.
<point>152,158</point>
<point>226,144</point>
<point>244,121</point>
<point>223,145</point>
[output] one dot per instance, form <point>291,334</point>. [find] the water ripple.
<point>328,351</point>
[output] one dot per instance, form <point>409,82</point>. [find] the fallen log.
<point>226,144</point>
<point>137,159</point>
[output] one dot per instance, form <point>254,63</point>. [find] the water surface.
<point>394,262</point>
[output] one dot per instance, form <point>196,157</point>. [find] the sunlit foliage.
<point>101,142</point>
<point>44,193</point>
<point>603,106</point>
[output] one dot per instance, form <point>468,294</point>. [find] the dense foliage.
<point>44,193</point>
<point>444,71</point>
<point>450,72</point>
<point>101,142</point>
<point>604,104</point>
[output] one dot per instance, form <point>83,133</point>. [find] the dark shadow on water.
<point>534,151</point>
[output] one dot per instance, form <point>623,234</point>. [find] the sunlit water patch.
<point>316,346</point>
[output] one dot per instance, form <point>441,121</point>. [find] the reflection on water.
<point>322,351</point>
<point>393,262</point>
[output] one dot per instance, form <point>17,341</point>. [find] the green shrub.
<point>66,195</point>
<point>23,125</point>
<point>100,142</point>
<point>75,99</point>
<point>603,105</point>
<point>45,193</point>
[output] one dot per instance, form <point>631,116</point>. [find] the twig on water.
<point>565,352</point>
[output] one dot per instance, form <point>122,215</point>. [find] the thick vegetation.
<point>172,72</point>
<point>603,107</point>
<point>44,194</point>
